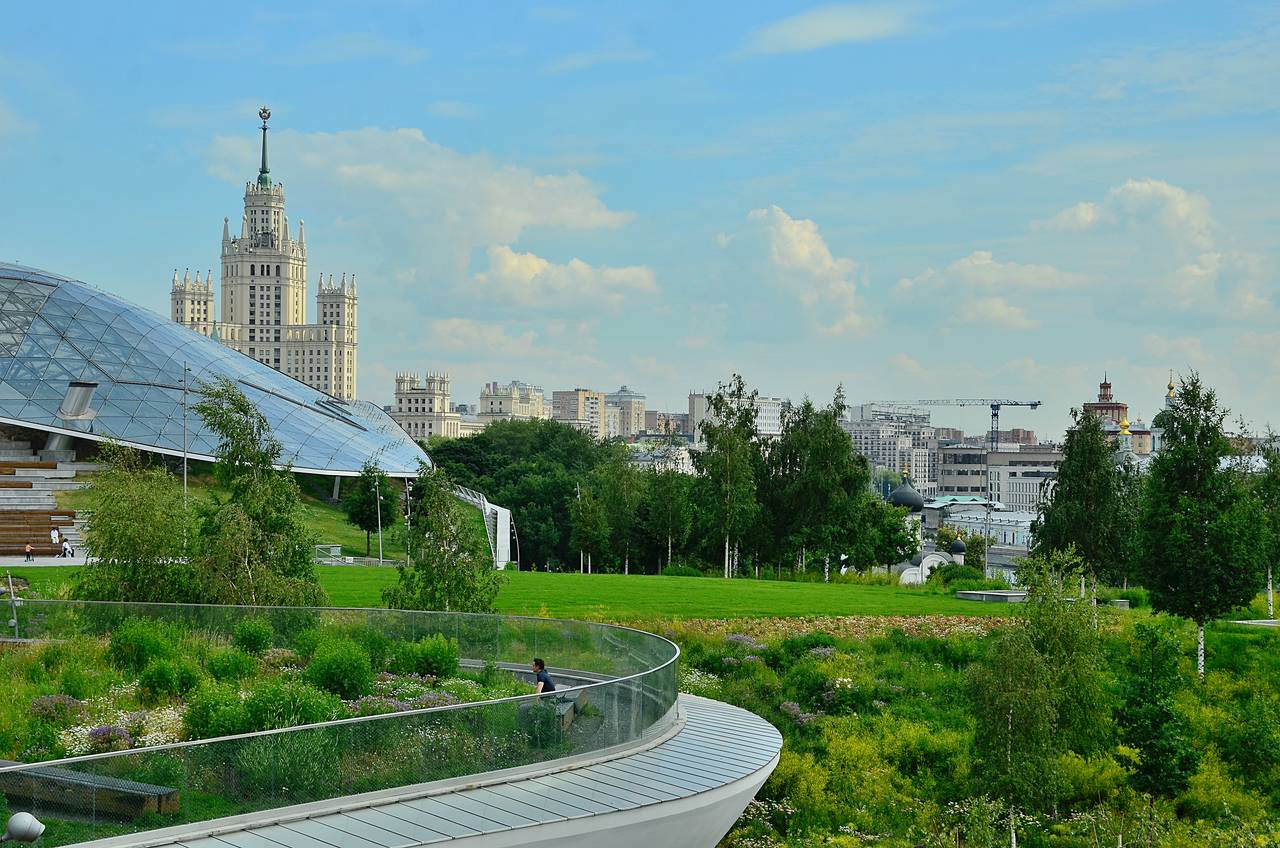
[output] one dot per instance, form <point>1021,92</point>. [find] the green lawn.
<point>628,598</point>
<point>326,520</point>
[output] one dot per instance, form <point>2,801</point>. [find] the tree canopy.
<point>372,502</point>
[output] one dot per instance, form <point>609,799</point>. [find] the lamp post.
<point>377,498</point>
<point>185,372</point>
<point>408,519</point>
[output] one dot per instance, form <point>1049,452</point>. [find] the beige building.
<point>422,408</point>
<point>263,280</point>
<point>630,406</point>
<point>1019,479</point>
<point>666,422</point>
<point>581,408</point>
<point>768,415</point>
<point>512,401</point>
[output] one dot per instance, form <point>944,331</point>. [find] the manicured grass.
<point>615,597</point>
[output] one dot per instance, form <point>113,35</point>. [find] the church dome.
<point>958,546</point>
<point>905,495</point>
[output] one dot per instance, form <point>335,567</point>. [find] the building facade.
<point>581,408</point>
<point>962,470</point>
<point>514,401</point>
<point>263,291</point>
<point>768,415</point>
<point>422,408</point>
<point>631,412</point>
<point>1021,479</point>
<point>666,423</point>
<point>903,443</point>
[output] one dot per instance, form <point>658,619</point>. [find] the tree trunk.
<point>668,550</point>
<point>366,544</point>
<point>1200,651</point>
<point>726,556</point>
<point>588,562</point>
<point>580,563</point>
<point>1271,608</point>
<point>826,569</point>
<point>626,561</point>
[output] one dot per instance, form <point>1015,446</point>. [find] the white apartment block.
<point>263,279</point>
<point>631,412</point>
<point>768,415</point>
<point>581,408</point>
<point>1021,479</point>
<point>512,401</point>
<point>898,445</point>
<point>422,408</point>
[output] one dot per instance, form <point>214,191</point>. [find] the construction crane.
<point>993,403</point>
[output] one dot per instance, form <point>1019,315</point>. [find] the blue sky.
<point>915,200</point>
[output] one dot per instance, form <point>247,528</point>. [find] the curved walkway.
<point>687,790</point>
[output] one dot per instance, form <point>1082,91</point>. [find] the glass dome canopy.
<point>55,331</point>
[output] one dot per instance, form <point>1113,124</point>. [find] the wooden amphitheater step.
<point>27,463</point>
<point>15,484</point>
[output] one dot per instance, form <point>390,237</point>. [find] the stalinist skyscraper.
<point>264,293</point>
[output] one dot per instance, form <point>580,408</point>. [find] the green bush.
<point>953,571</point>
<point>301,766</point>
<point>214,709</point>
<point>306,642</point>
<point>253,635</point>
<point>341,668</point>
<point>680,570</point>
<point>433,656</point>
<point>539,720</point>
<point>376,644</point>
<point>277,704</point>
<point>167,679</point>
<point>230,664</point>
<point>138,641</point>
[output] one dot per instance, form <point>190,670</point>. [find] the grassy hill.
<point>326,520</point>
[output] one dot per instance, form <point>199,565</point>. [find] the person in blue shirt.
<point>544,682</point>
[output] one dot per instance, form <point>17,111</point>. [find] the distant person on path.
<point>544,683</point>
<point>28,550</point>
<point>67,550</point>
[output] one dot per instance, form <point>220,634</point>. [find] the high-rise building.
<point>1021,479</point>
<point>962,470</point>
<point>512,401</point>
<point>581,408</point>
<point>768,415</point>
<point>666,423</point>
<point>630,406</point>
<point>902,446</point>
<point>423,408</point>
<point>263,281</point>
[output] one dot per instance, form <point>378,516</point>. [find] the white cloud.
<point>827,26</point>
<point>397,187</point>
<point>356,45</point>
<point>995,312</point>
<point>980,270</point>
<point>906,366</point>
<point>453,109</point>
<point>590,59</point>
<point>491,337</point>
<point>804,264</point>
<point>530,280</point>
<point>11,123</point>
<point>1135,203</point>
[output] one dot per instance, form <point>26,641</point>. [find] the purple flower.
<point>434,699</point>
<point>745,641</point>
<point>57,709</point>
<point>792,709</point>
<point>731,661</point>
<point>822,652</point>
<point>109,738</point>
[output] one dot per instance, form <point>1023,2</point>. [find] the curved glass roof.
<point>55,331</point>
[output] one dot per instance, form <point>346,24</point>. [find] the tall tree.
<point>669,511</point>
<point>372,502</point>
<point>1085,509</point>
<point>254,546</point>
<point>449,567</point>
<point>1268,493</point>
<point>137,532</point>
<point>1202,538</point>
<point>728,464</point>
<point>622,491</point>
<point>589,525</point>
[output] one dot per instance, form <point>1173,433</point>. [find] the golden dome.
<point>1124,427</point>
<point>1170,394</point>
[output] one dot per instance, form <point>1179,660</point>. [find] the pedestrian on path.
<point>67,550</point>
<point>29,549</point>
<point>544,684</point>
<point>53,536</point>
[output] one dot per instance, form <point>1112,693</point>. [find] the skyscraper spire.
<point>264,173</point>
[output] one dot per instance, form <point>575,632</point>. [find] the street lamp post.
<point>377,498</point>
<point>185,373</point>
<point>408,519</point>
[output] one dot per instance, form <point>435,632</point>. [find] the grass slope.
<point>326,520</point>
<point>629,598</point>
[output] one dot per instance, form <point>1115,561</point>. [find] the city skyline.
<point>912,201</point>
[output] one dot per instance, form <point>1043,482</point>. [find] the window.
<point>252,272</point>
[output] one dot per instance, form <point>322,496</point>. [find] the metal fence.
<point>101,795</point>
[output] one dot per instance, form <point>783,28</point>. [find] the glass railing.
<point>632,699</point>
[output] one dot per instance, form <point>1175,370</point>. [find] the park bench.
<point>77,790</point>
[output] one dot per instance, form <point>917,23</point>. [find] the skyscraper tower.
<point>263,295</point>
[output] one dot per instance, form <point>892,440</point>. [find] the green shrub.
<point>341,668</point>
<point>434,656</point>
<point>953,571</point>
<point>167,678</point>
<point>214,709</point>
<point>277,704</point>
<point>253,635</point>
<point>79,683</point>
<point>539,720</point>
<point>376,644</point>
<point>230,664</point>
<point>301,766</point>
<point>138,641</point>
<point>680,570</point>
<point>306,642</point>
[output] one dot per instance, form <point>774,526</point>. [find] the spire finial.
<point>264,173</point>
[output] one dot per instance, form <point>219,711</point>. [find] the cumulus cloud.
<point>981,270</point>
<point>590,59</point>
<point>827,26</point>
<point>1138,202</point>
<point>803,263</point>
<point>530,280</point>
<point>400,187</point>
